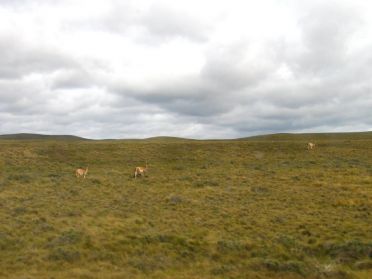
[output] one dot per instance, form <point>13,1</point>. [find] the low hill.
<point>167,138</point>
<point>26,136</point>
<point>311,136</point>
<point>268,137</point>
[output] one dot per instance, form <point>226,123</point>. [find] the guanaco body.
<point>310,145</point>
<point>140,171</point>
<point>80,172</point>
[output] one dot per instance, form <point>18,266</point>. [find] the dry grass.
<point>208,209</point>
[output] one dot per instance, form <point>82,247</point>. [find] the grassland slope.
<point>207,209</point>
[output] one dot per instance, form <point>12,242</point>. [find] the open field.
<point>258,208</point>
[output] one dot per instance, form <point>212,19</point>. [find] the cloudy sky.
<point>188,68</point>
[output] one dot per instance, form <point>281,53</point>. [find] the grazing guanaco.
<point>310,145</point>
<point>140,171</point>
<point>80,172</point>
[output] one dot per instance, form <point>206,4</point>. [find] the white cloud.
<point>204,69</point>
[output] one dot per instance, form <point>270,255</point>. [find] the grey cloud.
<point>190,97</point>
<point>155,25</point>
<point>332,91</point>
<point>92,121</point>
<point>120,18</point>
<point>282,120</point>
<point>202,106</point>
<point>20,96</point>
<point>72,79</point>
<point>165,22</point>
<point>18,59</point>
<point>227,79</point>
<point>326,32</point>
<point>13,3</point>
<point>228,68</point>
<point>28,3</point>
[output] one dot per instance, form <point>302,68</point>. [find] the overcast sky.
<point>187,68</point>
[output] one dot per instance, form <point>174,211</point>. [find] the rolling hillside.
<point>26,136</point>
<point>312,136</point>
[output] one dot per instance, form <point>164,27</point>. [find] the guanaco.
<point>140,171</point>
<point>80,172</point>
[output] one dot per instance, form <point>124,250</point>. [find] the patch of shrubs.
<point>366,264</point>
<point>174,200</point>
<point>348,252</point>
<point>96,181</point>
<point>19,211</point>
<point>63,254</point>
<point>225,246</point>
<point>259,189</point>
<point>70,237</point>
<point>205,183</point>
<point>22,178</point>
<point>7,242</point>
<point>279,266</point>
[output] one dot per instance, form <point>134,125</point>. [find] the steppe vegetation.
<point>263,207</point>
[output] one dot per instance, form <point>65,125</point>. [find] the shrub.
<point>366,264</point>
<point>259,189</point>
<point>70,237</point>
<point>225,246</point>
<point>278,266</point>
<point>22,178</point>
<point>205,183</point>
<point>348,252</point>
<point>174,200</point>
<point>63,254</point>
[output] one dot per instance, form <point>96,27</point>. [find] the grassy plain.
<point>257,208</point>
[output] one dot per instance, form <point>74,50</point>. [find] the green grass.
<point>257,208</point>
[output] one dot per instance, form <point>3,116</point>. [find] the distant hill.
<point>26,136</point>
<point>269,137</point>
<point>284,137</point>
<point>165,138</point>
<point>311,136</point>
